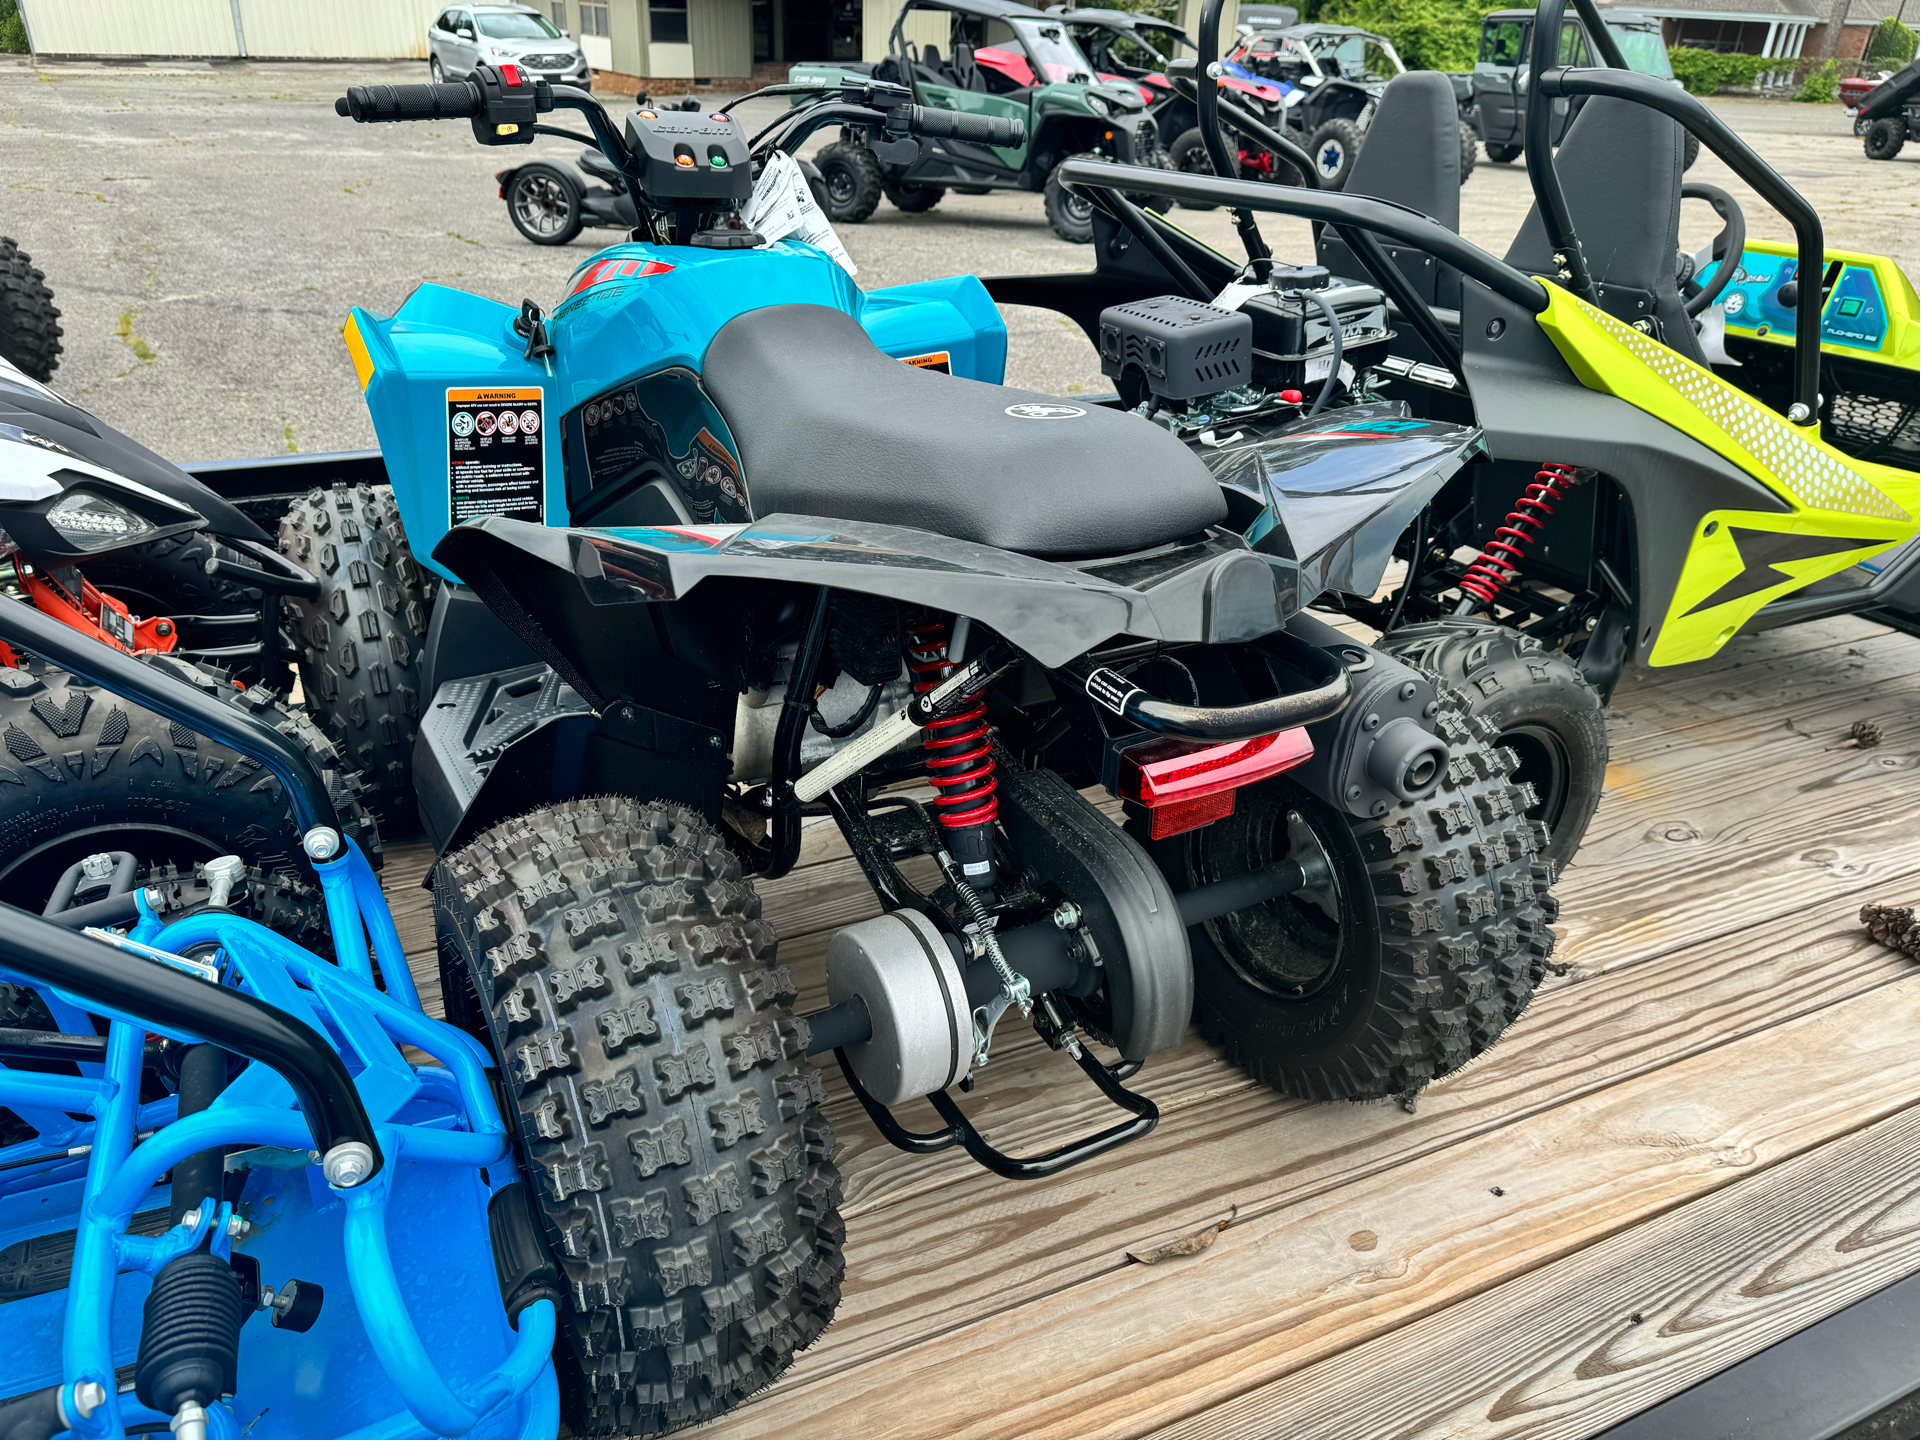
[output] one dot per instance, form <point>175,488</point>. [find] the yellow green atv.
<point>1676,448</point>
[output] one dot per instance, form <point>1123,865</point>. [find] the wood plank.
<point>968,1244</point>
<point>1577,1346</point>
<point>1135,1347</point>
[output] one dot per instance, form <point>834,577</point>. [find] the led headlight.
<point>1099,104</point>
<point>91,522</point>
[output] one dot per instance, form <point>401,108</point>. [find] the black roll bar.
<point>27,629</point>
<point>1206,101</point>
<point>175,1001</point>
<point>1360,212</point>
<point>1551,82</point>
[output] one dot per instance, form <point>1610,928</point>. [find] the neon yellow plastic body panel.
<point>1840,510</point>
<point>1872,313</point>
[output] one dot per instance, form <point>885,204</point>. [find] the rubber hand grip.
<point>459,100</point>
<point>1001,130</point>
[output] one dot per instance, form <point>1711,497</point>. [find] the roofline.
<point>987,9</point>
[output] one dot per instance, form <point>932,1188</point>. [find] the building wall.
<point>271,29</point>
<point>161,27</point>
<point>338,29</point>
<point>722,32</point>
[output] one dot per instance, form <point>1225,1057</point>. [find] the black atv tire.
<point>86,771</point>
<point>1470,147</point>
<point>29,320</point>
<point>851,176</point>
<point>1071,215</point>
<point>280,901</point>
<point>1501,154</point>
<point>361,643</point>
<point>1423,939</point>
<point>1335,146</point>
<point>1884,138</point>
<point>540,192</point>
<point>1188,155</point>
<point>667,1112</point>
<point>1544,709</point>
<point>914,199</point>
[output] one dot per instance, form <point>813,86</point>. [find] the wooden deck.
<point>1700,1138</point>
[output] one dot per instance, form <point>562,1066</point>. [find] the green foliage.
<point>1891,44</point>
<point>1822,85</point>
<point>1168,10</point>
<point>13,29</point>
<point>1703,72</point>
<point>1429,34</point>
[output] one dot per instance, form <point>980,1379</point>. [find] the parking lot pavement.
<point>206,228</point>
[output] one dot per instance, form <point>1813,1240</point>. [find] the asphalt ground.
<point>206,227</point>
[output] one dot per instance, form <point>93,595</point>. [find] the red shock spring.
<point>960,750</point>
<point>1500,558</point>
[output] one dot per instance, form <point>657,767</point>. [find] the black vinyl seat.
<point>828,424</point>
<point>1620,167</point>
<point>1412,157</point>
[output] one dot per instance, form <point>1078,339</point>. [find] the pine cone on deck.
<point>1894,927</point>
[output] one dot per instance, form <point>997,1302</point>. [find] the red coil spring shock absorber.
<point>1500,558</point>
<point>960,756</point>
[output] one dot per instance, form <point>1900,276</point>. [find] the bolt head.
<point>1354,793</point>
<point>88,1397</point>
<point>1370,722</point>
<point>1495,328</point>
<point>1067,916</point>
<point>191,1219</point>
<point>347,1164</point>
<point>322,843</point>
<point>1407,690</point>
<point>1798,413</point>
<point>1380,808</point>
<point>1431,709</point>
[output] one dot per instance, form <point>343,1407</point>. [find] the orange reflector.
<point>684,160</point>
<point>1187,784</point>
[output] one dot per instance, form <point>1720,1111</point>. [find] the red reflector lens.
<point>1167,771</point>
<point>510,74</point>
<point>1172,820</point>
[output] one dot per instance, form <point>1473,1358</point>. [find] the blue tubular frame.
<point>450,1121</point>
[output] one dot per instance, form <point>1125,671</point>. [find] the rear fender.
<point>600,605</point>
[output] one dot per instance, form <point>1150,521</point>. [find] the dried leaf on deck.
<point>1187,1245</point>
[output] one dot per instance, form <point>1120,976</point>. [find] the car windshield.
<point>1643,51</point>
<point>515,25</point>
<point>1054,51</point>
<point>1355,56</point>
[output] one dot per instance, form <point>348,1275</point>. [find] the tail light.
<point>1184,785</point>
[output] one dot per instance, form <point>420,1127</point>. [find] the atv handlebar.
<point>1004,131</point>
<point>368,104</point>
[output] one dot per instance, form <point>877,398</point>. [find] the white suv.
<point>464,35</point>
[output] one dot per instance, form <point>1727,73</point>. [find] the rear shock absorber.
<point>960,755</point>
<point>1500,558</point>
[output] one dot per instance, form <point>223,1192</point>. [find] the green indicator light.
<point>720,162</point>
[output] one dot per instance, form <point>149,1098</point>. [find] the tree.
<point>1429,34</point>
<point>1891,44</point>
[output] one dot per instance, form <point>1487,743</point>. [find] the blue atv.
<point>713,560</point>
<point>258,1193</point>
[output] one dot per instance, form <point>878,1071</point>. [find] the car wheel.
<point>1470,143</point>
<point>1071,214</point>
<point>543,201</point>
<point>1502,154</point>
<point>435,73</point>
<point>1690,151</point>
<point>1188,155</point>
<point>1335,147</point>
<point>1885,138</point>
<point>914,199</point>
<point>851,176</point>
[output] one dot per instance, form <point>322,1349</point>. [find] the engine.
<point>1257,348</point>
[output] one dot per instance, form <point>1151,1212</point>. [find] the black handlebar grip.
<point>459,100</point>
<point>1004,131</point>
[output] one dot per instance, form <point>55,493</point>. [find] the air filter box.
<point>1183,349</point>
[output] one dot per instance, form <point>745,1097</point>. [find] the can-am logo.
<point>1031,411</point>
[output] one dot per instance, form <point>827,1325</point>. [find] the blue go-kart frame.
<point>368,1174</point>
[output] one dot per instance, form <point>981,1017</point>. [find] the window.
<point>667,22</point>
<point>446,22</point>
<point>1573,46</point>
<point>515,25</point>
<point>1501,44</point>
<point>593,17</point>
<point>1643,51</point>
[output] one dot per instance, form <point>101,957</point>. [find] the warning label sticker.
<point>494,455</point>
<point>933,360</point>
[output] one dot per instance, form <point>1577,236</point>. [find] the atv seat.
<point>1412,157</point>
<point>1620,167</point>
<point>828,424</point>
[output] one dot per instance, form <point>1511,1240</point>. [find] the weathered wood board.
<point>1706,1119</point>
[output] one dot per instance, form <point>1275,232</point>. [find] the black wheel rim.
<point>1546,765</point>
<point>542,205</point>
<point>1077,210</point>
<point>840,184</point>
<point>1295,946</point>
<point>28,880</point>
